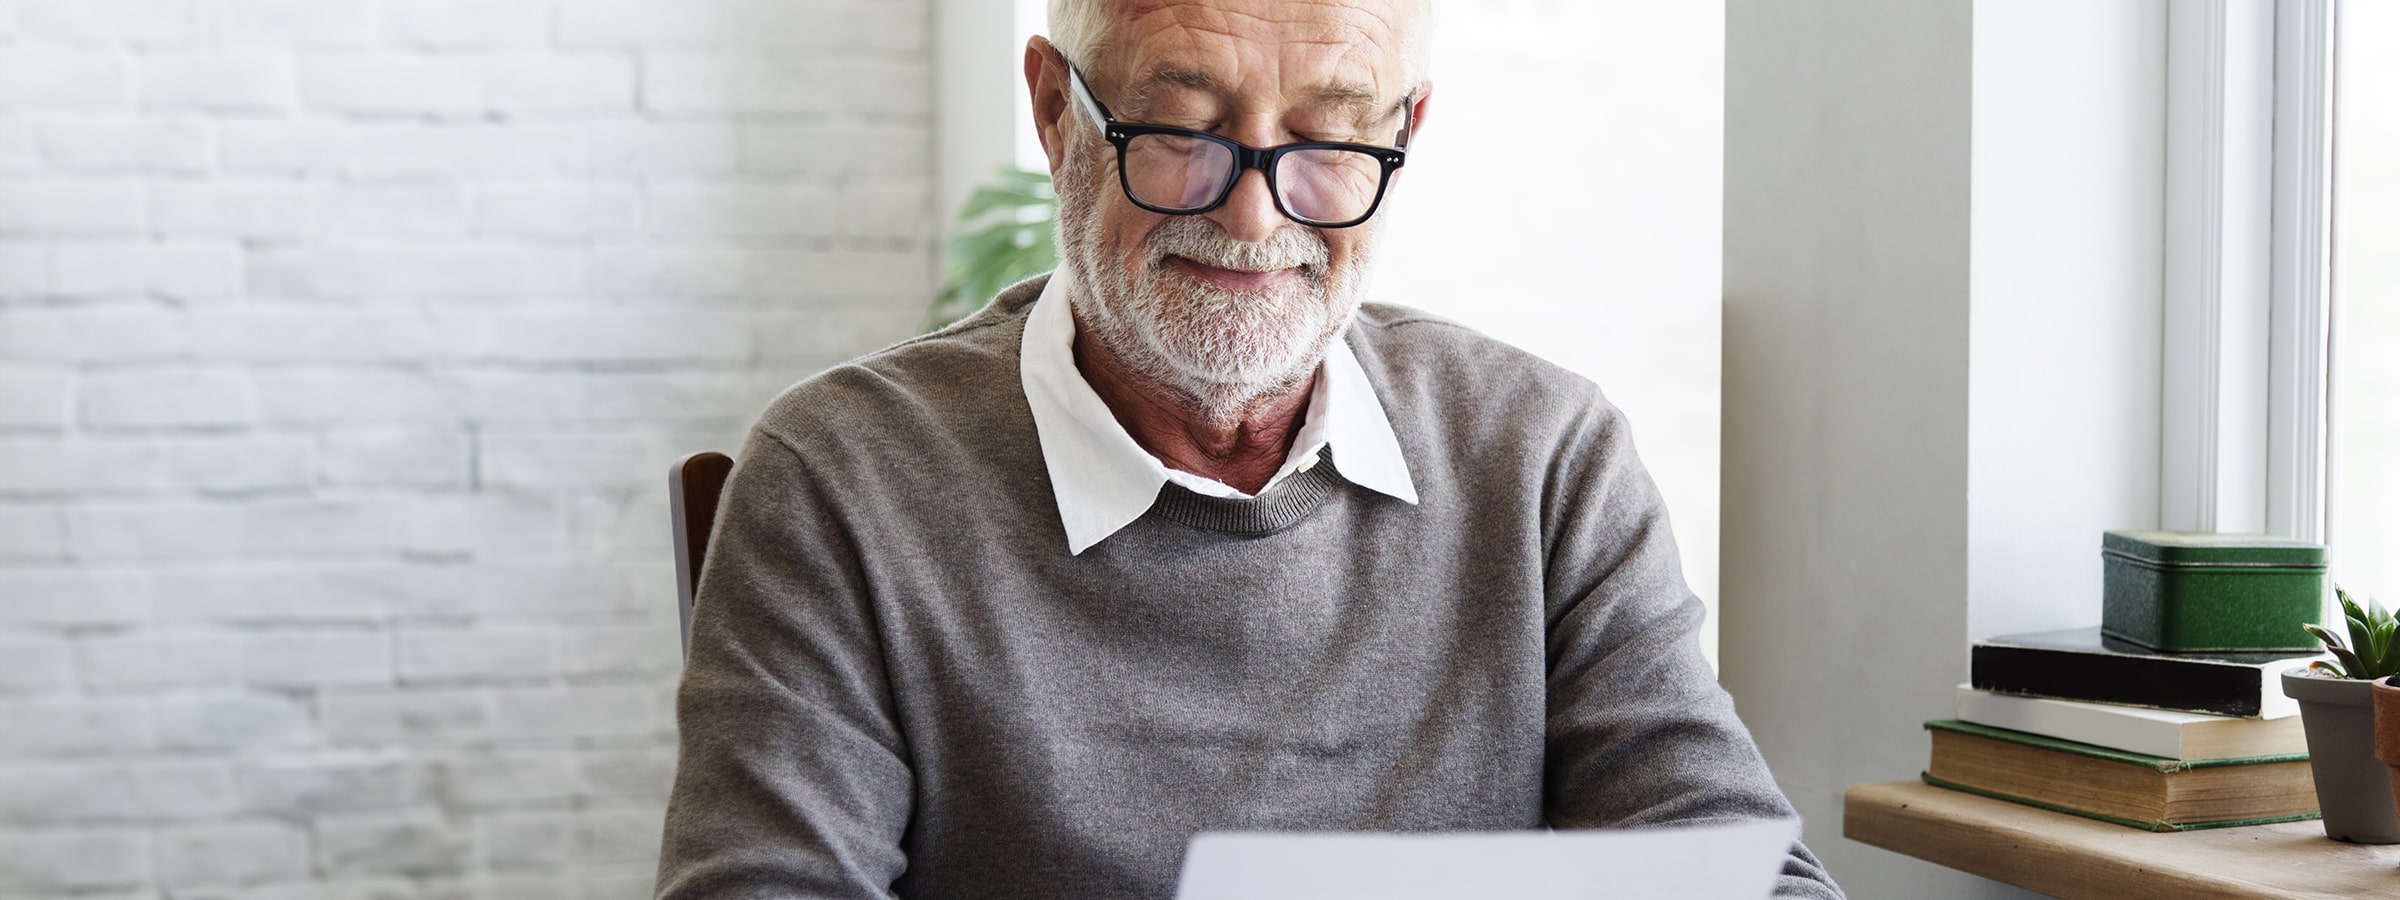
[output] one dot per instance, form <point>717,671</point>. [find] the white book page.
<point>1700,862</point>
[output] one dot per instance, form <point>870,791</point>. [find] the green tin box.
<point>2178,590</point>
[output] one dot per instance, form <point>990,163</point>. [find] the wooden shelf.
<point>2071,857</point>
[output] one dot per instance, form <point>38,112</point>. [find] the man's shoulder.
<point>963,372</point>
<point>1411,352</point>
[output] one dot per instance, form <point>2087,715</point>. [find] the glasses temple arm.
<point>1084,100</point>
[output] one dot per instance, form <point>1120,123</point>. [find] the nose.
<point>1249,214</point>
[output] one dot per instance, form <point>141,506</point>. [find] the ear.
<point>1046,80</point>
<point>1416,126</point>
<point>1424,104</point>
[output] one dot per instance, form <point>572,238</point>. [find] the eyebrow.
<point>1360,100</point>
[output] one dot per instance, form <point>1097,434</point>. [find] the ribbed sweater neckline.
<point>1280,507</point>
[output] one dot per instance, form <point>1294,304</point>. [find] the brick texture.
<point>343,348</point>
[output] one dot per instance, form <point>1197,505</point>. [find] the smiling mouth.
<point>1237,279</point>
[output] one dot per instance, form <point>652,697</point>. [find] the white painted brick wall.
<point>37,77</point>
<point>331,783</point>
<point>232,853</point>
<point>73,859</point>
<point>317,658</point>
<point>343,346</point>
<point>33,399</point>
<point>111,143</point>
<point>220,81</point>
<point>69,206</point>
<point>32,665</point>
<point>158,660</point>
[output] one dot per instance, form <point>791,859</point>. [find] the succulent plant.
<point>2371,651</point>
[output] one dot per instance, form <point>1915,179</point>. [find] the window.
<point>2243,387</point>
<point>2364,500</point>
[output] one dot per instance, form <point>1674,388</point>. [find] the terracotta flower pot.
<point>2387,732</point>
<point>2352,785</point>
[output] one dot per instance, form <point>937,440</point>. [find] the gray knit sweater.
<point>901,684</point>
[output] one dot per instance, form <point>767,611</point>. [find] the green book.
<point>2153,793</point>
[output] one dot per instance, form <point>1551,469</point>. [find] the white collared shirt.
<point>1103,480</point>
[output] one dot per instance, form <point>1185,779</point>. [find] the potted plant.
<point>2387,731</point>
<point>2338,712</point>
<point>1004,236</point>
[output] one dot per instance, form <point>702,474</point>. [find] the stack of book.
<point>2081,723</point>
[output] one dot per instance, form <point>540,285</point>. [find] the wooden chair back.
<point>693,485</point>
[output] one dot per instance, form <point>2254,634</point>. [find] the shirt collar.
<point>1103,480</point>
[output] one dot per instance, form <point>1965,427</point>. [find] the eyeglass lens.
<point>1178,172</point>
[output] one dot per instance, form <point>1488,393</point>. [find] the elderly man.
<point>1184,537</point>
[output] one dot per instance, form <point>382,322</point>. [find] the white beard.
<point>1220,349</point>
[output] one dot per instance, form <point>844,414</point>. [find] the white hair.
<point>1076,27</point>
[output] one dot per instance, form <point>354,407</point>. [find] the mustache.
<point>1200,240</point>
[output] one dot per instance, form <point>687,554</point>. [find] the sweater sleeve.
<point>1639,732</point>
<point>792,779</point>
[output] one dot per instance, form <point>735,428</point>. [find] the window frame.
<point>2246,339</point>
<point>2301,401</point>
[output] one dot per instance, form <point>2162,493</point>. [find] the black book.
<point>2084,664</point>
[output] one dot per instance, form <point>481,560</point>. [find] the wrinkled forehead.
<point>1258,48</point>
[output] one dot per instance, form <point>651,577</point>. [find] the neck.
<point>1238,436</point>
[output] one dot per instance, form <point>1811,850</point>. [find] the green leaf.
<point>2351,665</point>
<point>2323,633</point>
<point>988,199</point>
<point>1037,181</point>
<point>2379,652</point>
<point>970,251</point>
<point>1005,237</point>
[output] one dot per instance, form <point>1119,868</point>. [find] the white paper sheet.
<point>1701,862</point>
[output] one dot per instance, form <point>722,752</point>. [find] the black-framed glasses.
<point>1181,172</point>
